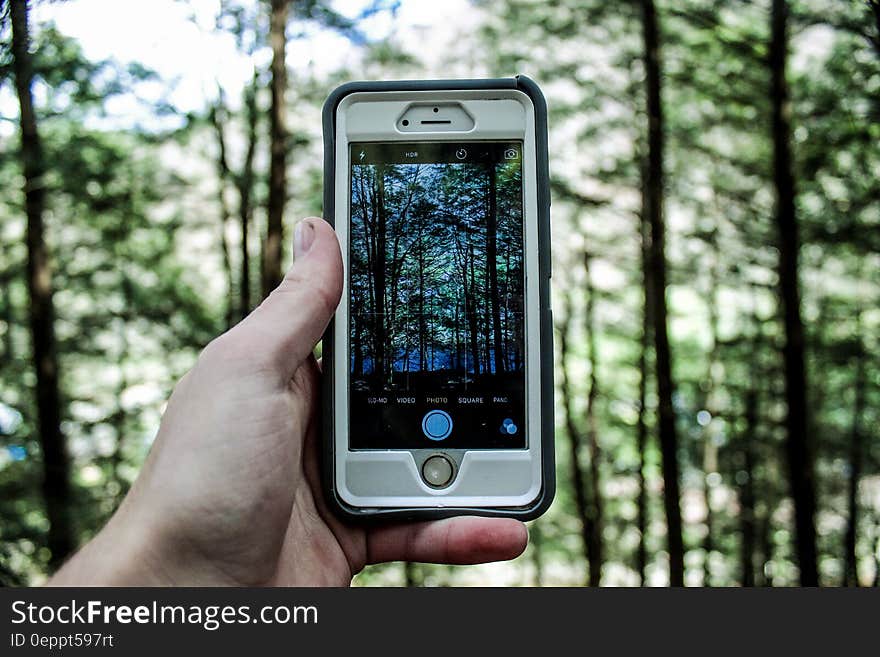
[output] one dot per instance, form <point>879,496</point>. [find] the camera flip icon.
<point>508,427</point>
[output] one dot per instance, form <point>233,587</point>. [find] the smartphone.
<point>438,379</point>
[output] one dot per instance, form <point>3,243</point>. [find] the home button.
<point>437,471</point>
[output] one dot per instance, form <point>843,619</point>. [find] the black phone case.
<point>543,501</point>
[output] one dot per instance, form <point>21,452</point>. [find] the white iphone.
<point>438,382</point>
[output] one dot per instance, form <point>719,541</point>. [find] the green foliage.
<point>128,307</point>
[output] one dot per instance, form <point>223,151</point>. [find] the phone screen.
<point>436,304</point>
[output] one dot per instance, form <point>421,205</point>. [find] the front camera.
<point>405,122</point>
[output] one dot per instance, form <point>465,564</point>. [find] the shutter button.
<point>437,471</point>
<point>437,424</point>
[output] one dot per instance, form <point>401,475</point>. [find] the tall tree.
<point>272,250</point>
<point>641,418</point>
<point>380,248</point>
<point>8,311</point>
<point>56,462</point>
<point>492,267</point>
<point>536,542</point>
<point>798,444</point>
<point>574,436</point>
<point>594,505</point>
<point>472,306</point>
<point>218,115</point>
<point>747,491</point>
<point>423,318</point>
<point>874,6</point>
<point>245,184</point>
<point>653,211</point>
<point>856,456</point>
<point>747,515</point>
<point>709,384</point>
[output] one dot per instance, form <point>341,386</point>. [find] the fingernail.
<point>303,236</point>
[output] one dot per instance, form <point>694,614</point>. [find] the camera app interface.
<point>436,304</point>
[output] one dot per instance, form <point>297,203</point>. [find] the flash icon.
<point>361,155</point>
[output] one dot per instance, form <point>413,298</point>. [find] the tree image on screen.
<point>436,276</point>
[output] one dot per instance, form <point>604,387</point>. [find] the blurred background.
<point>716,244</point>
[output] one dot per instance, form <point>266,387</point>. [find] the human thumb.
<point>283,330</point>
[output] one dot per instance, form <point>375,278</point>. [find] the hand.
<point>230,492</point>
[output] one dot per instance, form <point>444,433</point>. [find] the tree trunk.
<point>798,447</point>
<point>856,450</point>
<point>594,508</point>
<point>875,10</point>
<point>423,326</point>
<point>756,527</point>
<point>357,344</point>
<point>747,490</point>
<point>487,329</point>
<point>8,309</point>
<point>877,551</point>
<point>245,191</point>
<point>411,575</point>
<point>472,312</point>
<point>536,541</point>
<point>653,199</point>
<point>379,278</point>
<point>492,269</point>
<point>764,533</point>
<point>574,438</point>
<point>218,113</point>
<point>395,269</point>
<point>56,462</point>
<point>278,149</point>
<point>457,336</point>
<point>641,424</point>
<point>505,294</point>
<point>368,206</point>
<point>710,448</point>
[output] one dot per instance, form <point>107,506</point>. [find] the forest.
<point>436,273</point>
<point>715,174</point>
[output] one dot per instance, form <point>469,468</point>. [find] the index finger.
<point>467,540</point>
